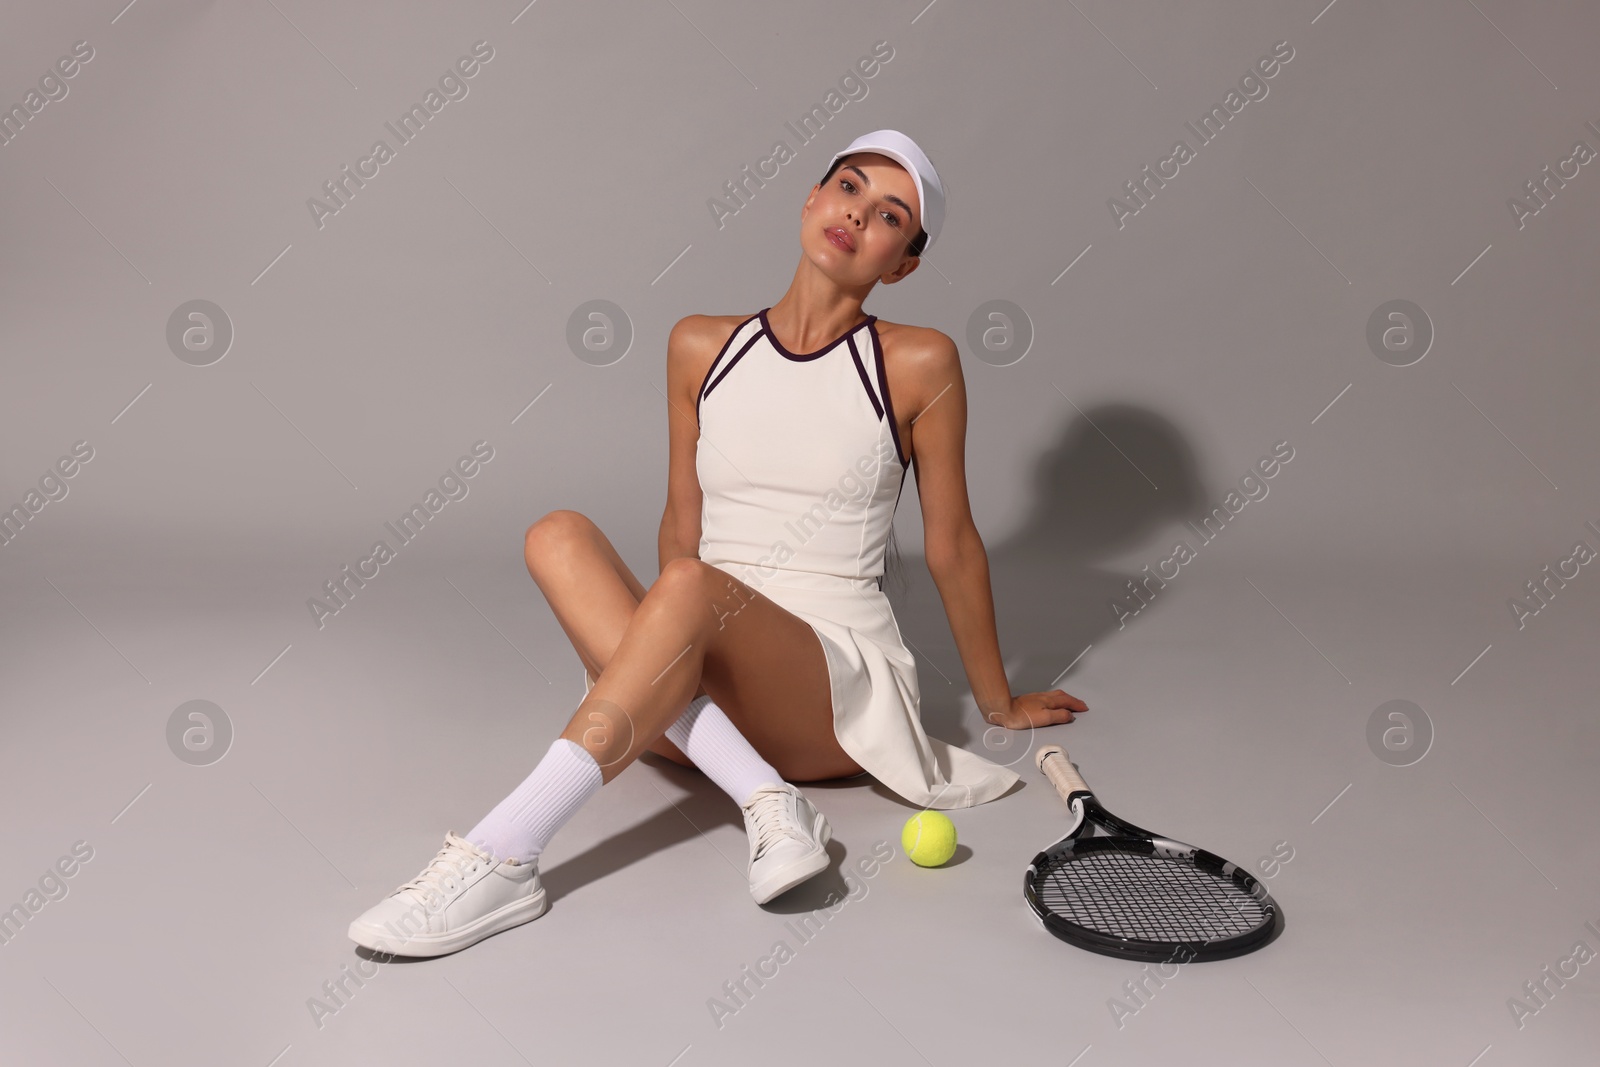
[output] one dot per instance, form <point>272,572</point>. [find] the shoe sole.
<point>381,939</point>
<point>800,870</point>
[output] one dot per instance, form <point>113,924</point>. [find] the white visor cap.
<point>904,151</point>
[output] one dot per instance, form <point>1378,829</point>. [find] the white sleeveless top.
<point>801,467</point>
<point>800,461</point>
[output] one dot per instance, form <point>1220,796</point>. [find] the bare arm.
<point>954,550</point>
<point>687,362</point>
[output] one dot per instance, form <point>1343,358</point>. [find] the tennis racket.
<point>1135,894</point>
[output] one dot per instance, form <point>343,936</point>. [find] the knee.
<point>693,578</point>
<point>694,586</point>
<point>554,532</point>
<point>683,570</point>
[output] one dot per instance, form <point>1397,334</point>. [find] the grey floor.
<point>1233,712</point>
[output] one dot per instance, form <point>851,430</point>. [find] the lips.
<point>840,238</point>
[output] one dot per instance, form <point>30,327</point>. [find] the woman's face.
<point>856,225</point>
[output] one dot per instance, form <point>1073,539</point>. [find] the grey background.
<point>1229,314</point>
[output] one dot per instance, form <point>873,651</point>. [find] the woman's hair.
<point>918,243</point>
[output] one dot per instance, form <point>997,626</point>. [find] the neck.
<point>816,308</point>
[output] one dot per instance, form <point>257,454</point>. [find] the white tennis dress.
<point>801,469</point>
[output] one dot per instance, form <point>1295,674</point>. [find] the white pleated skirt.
<point>877,705</point>
<point>872,676</point>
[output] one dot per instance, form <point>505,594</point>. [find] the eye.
<point>890,217</point>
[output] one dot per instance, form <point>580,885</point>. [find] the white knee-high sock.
<point>521,825</point>
<point>717,747</point>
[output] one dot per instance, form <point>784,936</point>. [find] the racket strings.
<point>1152,898</point>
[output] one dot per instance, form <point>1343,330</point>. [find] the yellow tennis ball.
<point>929,838</point>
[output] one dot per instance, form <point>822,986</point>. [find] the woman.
<point>786,464</point>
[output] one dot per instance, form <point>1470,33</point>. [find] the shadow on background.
<point>1092,500</point>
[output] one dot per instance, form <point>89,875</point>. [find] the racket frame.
<point>1127,837</point>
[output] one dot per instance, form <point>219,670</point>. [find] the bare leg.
<point>696,629</point>
<point>592,592</point>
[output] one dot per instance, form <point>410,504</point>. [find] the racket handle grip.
<point>1053,761</point>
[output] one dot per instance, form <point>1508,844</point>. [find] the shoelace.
<point>769,813</point>
<point>453,861</point>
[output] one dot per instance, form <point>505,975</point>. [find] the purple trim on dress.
<point>824,350</point>
<point>883,385</point>
<point>866,383</point>
<point>704,389</point>
<point>732,363</point>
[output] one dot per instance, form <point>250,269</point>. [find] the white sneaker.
<point>787,835</point>
<point>461,897</point>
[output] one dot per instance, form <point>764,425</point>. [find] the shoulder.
<point>917,350</point>
<point>705,331</point>
<point>696,340</point>
<point>919,361</point>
